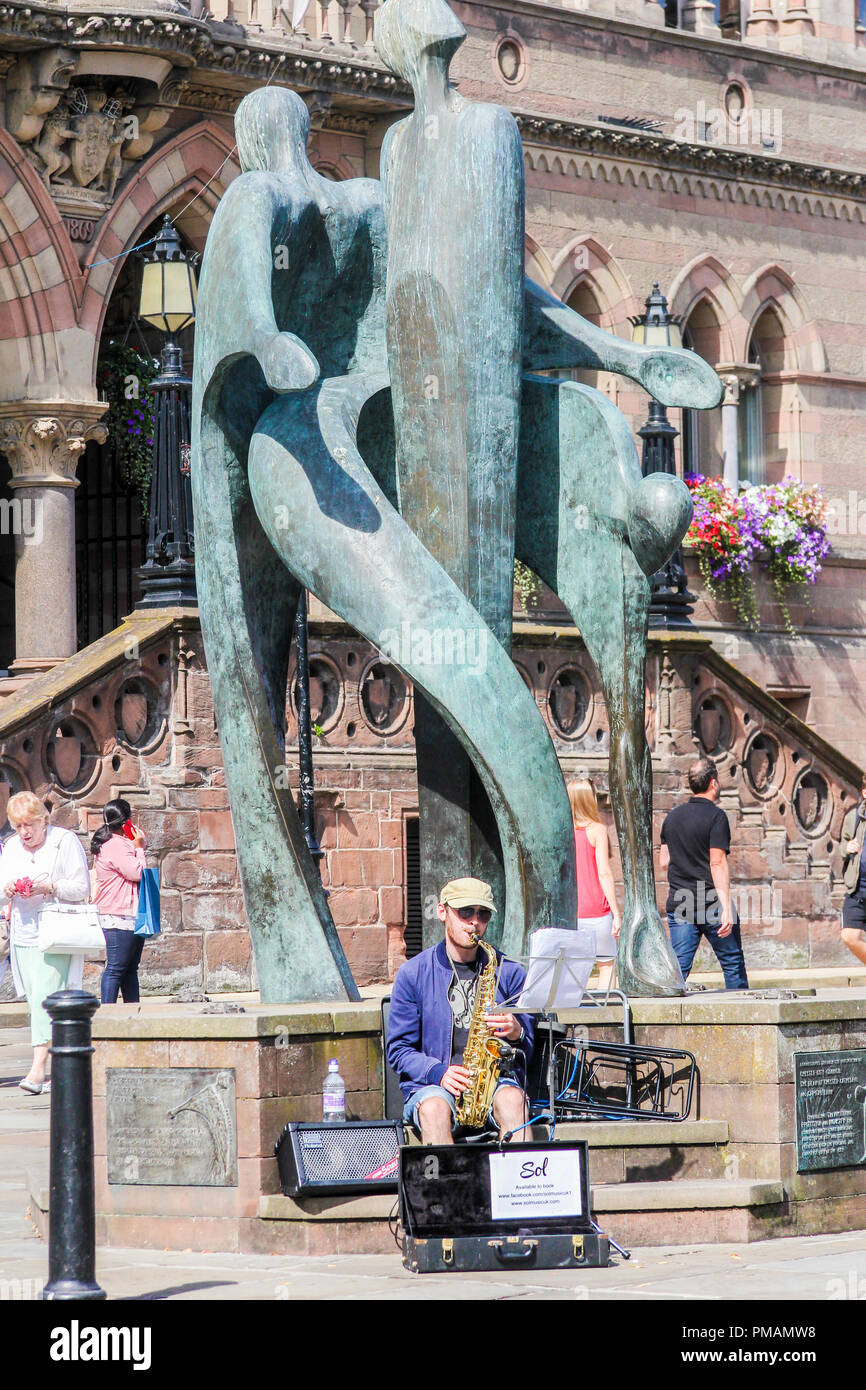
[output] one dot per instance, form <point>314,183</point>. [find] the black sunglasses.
<point>467,913</point>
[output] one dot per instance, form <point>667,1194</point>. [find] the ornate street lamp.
<point>168,297</point>
<point>670,600</point>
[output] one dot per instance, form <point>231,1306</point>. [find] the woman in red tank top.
<point>596,897</point>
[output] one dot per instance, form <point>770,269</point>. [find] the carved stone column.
<point>43,441</point>
<point>735,376</point>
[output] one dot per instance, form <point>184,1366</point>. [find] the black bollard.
<point>71,1215</point>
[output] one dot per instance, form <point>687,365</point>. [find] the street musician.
<point>460,1059</point>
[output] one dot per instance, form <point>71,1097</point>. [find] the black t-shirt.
<point>690,831</point>
<point>461,997</point>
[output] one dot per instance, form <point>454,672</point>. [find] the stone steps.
<point>652,1183</point>
<point>647,1151</point>
<point>690,1212</point>
<point>682,1212</point>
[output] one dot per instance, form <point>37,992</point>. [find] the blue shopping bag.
<point>147,916</point>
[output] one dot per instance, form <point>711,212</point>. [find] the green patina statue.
<point>364,426</point>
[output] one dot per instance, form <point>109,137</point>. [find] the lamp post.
<point>168,297</point>
<point>670,600</point>
<point>305,736</point>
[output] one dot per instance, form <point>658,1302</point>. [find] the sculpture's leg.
<point>581,500</point>
<point>336,529</point>
<point>248,605</point>
<point>457,824</point>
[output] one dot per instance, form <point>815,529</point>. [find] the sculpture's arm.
<point>555,336</point>
<point>240,253</point>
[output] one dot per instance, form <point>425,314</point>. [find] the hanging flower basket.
<point>782,527</point>
<point>124,378</point>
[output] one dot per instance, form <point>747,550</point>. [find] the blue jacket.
<point>420,1021</point>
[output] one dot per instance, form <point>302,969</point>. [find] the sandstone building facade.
<point>716,151</point>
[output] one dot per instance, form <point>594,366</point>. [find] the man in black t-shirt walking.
<point>696,838</point>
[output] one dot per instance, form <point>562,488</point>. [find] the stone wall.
<point>132,716</point>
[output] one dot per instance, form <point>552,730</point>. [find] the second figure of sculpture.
<point>366,425</point>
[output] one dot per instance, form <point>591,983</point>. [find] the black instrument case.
<point>446,1214</point>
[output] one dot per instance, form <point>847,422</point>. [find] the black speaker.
<point>321,1160</point>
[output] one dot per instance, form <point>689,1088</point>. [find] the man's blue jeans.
<point>686,938</point>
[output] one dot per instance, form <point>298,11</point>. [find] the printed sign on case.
<point>541,1184</point>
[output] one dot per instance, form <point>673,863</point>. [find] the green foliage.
<point>527,585</point>
<point>124,376</point>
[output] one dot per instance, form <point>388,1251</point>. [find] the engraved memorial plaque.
<point>830,1097</point>
<point>172,1126</point>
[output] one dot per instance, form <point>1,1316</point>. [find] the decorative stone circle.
<point>510,60</point>
<point>326,693</point>
<point>764,765</point>
<point>569,701</point>
<point>138,713</point>
<point>713,725</point>
<point>70,755</point>
<point>812,802</point>
<point>11,781</point>
<point>383,697</point>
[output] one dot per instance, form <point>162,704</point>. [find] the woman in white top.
<point>37,863</point>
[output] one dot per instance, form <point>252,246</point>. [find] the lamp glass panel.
<point>638,332</point>
<point>656,335</point>
<point>179,296</point>
<point>151,300</point>
<point>675,337</point>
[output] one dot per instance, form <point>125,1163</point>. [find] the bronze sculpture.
<point>365,422</point>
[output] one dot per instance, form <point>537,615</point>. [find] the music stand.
<point>560,964</point>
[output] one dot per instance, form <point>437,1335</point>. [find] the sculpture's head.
<point>409,33</point>
<point>271,128</point>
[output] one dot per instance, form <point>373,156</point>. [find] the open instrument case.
<point>468,1207</point>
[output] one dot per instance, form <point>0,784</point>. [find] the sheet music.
<point>560,964</point>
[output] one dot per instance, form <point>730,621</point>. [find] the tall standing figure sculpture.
<point>462,328</point>
<point>365,432</point>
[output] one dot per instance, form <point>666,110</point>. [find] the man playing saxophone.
<point>443,1015</point>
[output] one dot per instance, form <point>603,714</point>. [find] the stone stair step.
<point>643,1133</point>
<point>376,1207</point>
<point>687,1196</point>
<point>685,1213</point>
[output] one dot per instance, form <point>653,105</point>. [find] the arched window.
<point>750,425</point>
<point>763,451</point>
<point>583,301</point>
<point>701,430</point>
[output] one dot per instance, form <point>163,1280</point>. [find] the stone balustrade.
<point>348,22</point>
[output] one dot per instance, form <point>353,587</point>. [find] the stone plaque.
<point>172,1126</point>
<point>830,1096</point>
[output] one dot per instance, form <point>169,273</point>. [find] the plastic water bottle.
<point>334,1095</point>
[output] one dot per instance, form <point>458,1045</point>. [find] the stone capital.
<point>735,377</point>
<point>43,440</point>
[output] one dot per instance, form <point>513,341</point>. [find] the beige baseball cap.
<point>468,892</point>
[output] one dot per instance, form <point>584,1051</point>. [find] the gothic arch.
<point>771,286</point>
<point>585,260</point>
<point>705,278</point>
<point>200,151</point>
<point>40,280</point>
<point>333,167</point>
<point>537,263</point>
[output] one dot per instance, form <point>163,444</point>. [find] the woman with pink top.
<point>118,857</point>
<point>596,897</point>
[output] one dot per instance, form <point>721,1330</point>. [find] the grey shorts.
<point>425,1092</point>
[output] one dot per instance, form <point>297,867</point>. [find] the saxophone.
<point>484,1054</point>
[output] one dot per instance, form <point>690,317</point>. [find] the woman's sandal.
<point>33,1088</point>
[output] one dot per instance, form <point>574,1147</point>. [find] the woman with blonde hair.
<point>39,862</point>
<point>596,896</point>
